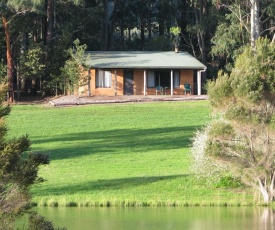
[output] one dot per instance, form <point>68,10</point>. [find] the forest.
<point>37,37</point>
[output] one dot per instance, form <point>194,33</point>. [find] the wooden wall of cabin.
<point>120,81</point>
<point>117,80</point>
<point>186,76</point>
<point>139,82</point>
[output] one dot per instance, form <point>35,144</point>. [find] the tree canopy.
<point>215,32</point>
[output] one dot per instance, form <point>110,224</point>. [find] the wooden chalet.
<point>115,73</point>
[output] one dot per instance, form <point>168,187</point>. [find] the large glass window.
<point>151,79</point>
<point>176,80</point>
<point>103,79</point>
<point>162,78</point>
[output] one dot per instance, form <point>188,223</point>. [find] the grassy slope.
<point>118,154</point>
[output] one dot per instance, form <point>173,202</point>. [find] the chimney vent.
<point>176,48</point>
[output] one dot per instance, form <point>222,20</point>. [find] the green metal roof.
<point>142,60</point>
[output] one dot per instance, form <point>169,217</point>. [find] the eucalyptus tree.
<point>230,38</point>
<point>51,24</point>
<point>184,19</point>
<point>197,20</point>
<point>242,138</point>
<point>10,11</point>
<point>58,23</point>
<point>116,17</point>
<point>166,15</point>
<point>244,21</point>
<point>42,30</point>
<point>200,9</point>
<point>125,22</point>
<point>141,9</point>
<point>248,12</point>
<point>255,21</point>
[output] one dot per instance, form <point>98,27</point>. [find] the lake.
<point>161,218</point>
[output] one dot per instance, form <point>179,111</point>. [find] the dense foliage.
<point>18,171</point>
<point>242,139</point>
<point>44,30</point>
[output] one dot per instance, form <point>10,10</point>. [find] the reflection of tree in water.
<point>267,220</point>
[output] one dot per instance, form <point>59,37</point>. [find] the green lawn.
<point>118,154</point>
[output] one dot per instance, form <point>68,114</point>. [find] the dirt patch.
<point>75,100</point>
<point>72,100</point>
<point>34,100</point>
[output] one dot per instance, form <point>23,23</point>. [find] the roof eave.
<point>149,67</point>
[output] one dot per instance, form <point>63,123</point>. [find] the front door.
<point>128,82</point>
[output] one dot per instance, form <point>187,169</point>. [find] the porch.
<point>117,73</point>
<point>119,82</point>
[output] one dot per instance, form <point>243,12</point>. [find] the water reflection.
<point>267,219</point>
<point>194,218</point>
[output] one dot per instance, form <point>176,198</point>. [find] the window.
<point>162,78</point>
<point>103,79</point>
<point>176,80</point>
<point>151,79</point>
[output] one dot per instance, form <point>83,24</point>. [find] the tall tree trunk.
<point>23,48</point>
<point>104,26</point>
<point>113,24</point>
<point>264,191</point>
<point>122,34</point>
<point>9,60</point>
<point>201,34</point>
<point>50,22</point>
<point>255,21</point>
<point>149,21</point>
<point>48,38</point>
<point>161,22</point>
<point>142,31</point>
<point>35,33</point>
<point>142,17</point>
<point>129,38</point>
<point>200,11</point>
<point>183,22</point>
<point>201,42</point>
<point>44,23</point>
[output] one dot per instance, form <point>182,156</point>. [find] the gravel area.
<point>76,100</point>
